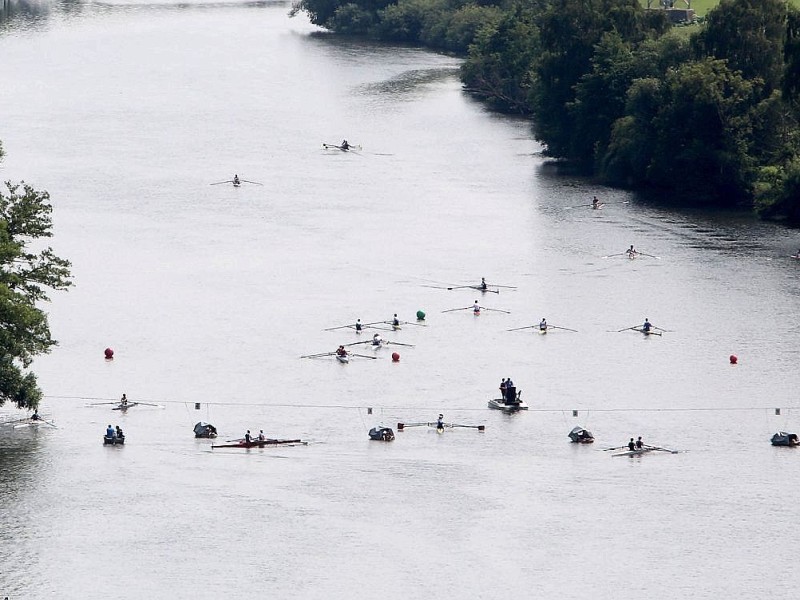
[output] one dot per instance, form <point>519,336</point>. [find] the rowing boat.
<point>261,443</point>
<point>646,331</point>
<point>343,358</point>
<point>638,452</point>
<point>113,441</point>
<point>439,428</point>
<point>125,406</point>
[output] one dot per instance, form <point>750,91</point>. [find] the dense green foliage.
<point>710,116</point>
<point>25,276</point>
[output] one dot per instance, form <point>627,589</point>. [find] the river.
<point>126,112</point>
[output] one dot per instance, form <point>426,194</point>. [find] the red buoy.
<point>109,353</point>
<point>734,359</point>
<point>395,357</point>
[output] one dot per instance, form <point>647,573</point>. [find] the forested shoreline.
<point>706,115</point>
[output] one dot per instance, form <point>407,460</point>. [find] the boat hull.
<point>260,444</point>
<point>500,404</point>
<point>113,441</point>
<point>785,439</point>
<point>343,359</point>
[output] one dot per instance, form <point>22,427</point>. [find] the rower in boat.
<point>395,322</point>
<point>341,351</point>
<point>247,437</point>
<point>632,445</point>
<point>646,326</point>
<point>35,416</point>
<point>440,423</point>
<point>595,203</point>
<point>377,340</point>
<point>543,325</point>
<point>483,287</point>
<point>345,146</point>
<point>236,180</point>
<point>359,326</point>
<point>476,308</point>
<point>123,402</point>
<point>639,443</point>
<point>631,252</point>
<point>261,436</point>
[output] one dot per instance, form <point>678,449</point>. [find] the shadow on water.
<point>23,12</point>
<point>29,13</point>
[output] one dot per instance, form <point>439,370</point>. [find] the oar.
<point>340,327</point>
<point>518,328</point>
<point>253,182</point>
<point>412,323</point>
<point>627,329</point>
<point>357,343</point>
<point>455,309</point>
<point>564,328</point>
<point>578,206</point>
<point>400,344</point>
<point>664,330</point>
<point>318,355</point>
<point>508,312</point>
<point>610,255</point>
<point>615,448</point>
<point>659,448</point>
<point>365,356</point>
<point>378,328</point>
<point>649,255</point>
<point>478,427</point>
<point>509,287</point>
<point>53,425</point>
<point>221,182</point>
<point>484,290</point>
<point>401,426</point>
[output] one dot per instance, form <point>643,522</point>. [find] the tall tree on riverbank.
<point>28,269</point>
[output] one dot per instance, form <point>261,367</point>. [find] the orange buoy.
<point>734,359</point>
<point>109,353</point>
<point>395,357</point>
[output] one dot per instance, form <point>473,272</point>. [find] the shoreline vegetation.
<point>707,115</point>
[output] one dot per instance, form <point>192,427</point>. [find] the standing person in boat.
<point>440,423</point>
<point>111,433</point>
<point>247,437</point>
<point>236,180</point>
<point>476,308</point>
<point>377,340</point>
<point>639,443</point>
<point>511,392</point>
<point>543,324</point>
<point>647,326</point>
<point>503,388</point>
<point>345,145</point>
<point>340,351</point>
<point>483,285</point>
<point>631,252</point>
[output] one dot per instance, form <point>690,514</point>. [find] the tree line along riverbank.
<point>707,115</point>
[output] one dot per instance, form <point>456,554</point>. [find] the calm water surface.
<point>126,112</point>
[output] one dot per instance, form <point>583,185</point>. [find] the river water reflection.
<point>126,112</point>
